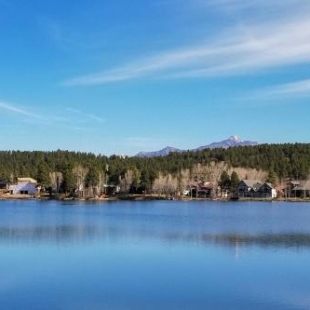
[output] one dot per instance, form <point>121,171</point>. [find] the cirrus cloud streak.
<point>247,49</point>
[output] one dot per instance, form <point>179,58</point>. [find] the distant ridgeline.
<point>134,174</point>
<point>232,141</point>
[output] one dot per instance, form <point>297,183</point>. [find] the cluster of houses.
<point>245,189</point>
<point>251,189</point>
<point>256,189</point>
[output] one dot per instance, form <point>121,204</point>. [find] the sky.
<point>119,77</point>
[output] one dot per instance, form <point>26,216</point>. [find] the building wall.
<point>24,188</point>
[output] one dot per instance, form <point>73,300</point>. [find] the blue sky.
<point>119,77</point>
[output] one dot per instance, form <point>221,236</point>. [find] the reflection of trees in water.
<point>55,233</point>
<point>293,240</point>
<point>265,240</point>
<point>83,233</point>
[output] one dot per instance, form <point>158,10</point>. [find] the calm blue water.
<point>154,255</point>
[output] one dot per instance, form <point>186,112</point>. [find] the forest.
<point>67,170</point>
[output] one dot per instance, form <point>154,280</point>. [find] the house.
<point>266,191</point>
<point>205,190</point>
<point>111,189</point>
<point>247,188</point>
<point>201,190</point>
<point>4,185</point>
<point>299,188</point>
<point>26,186</point>
<point>256,189</point>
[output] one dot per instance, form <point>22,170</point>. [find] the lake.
<point>154,255</point>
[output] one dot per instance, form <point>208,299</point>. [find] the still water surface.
<point>154,255</point>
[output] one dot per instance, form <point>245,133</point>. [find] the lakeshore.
<point>135,197</point>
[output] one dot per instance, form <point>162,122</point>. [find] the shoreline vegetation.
<point>144,197</point>
<point>257,172</point>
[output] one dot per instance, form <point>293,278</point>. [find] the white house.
<point>26,186</point>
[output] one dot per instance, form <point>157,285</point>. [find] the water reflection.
<point>259,225</point>
<point>67,233</point>
<point>154,256</point>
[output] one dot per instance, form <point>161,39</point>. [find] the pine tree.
<point>43,175</point>
<point>224,180</point>
<point>68,182</point>
<point>92,178</point>
<point>234,181</point>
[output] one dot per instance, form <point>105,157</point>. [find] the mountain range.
<point>232,141</point>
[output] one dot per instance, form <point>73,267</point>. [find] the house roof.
<point>295,182</point>
<point>303,185</point>
<point>207,185</point>
<point>264,186</point>
<point>269,184</point>
<point>252,183</point>
<point>3,182</point>
<point>27,180</point>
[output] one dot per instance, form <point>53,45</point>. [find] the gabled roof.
<point>207,185</point>
<point>252,183</point>
<point>27,180</point>
<point>268,184</point>
<point>263,187</point>
<point>303,185</point>
<point>295,183</point>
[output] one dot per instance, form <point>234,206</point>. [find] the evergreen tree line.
<point>281,161</point>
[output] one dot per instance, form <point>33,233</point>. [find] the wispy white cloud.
<point>246,49</point>
<point>86,115</point>
<point>238,5</point>
<point>296,88</point>
<point>254,10</point>
<point>274,95</point>
<point>17,110</point>
<point>96,118</point>
<point>49,120</point>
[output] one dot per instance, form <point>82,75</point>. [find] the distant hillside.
<point>66,171</point>
<point>232,141</point>
<point>165,151</point>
